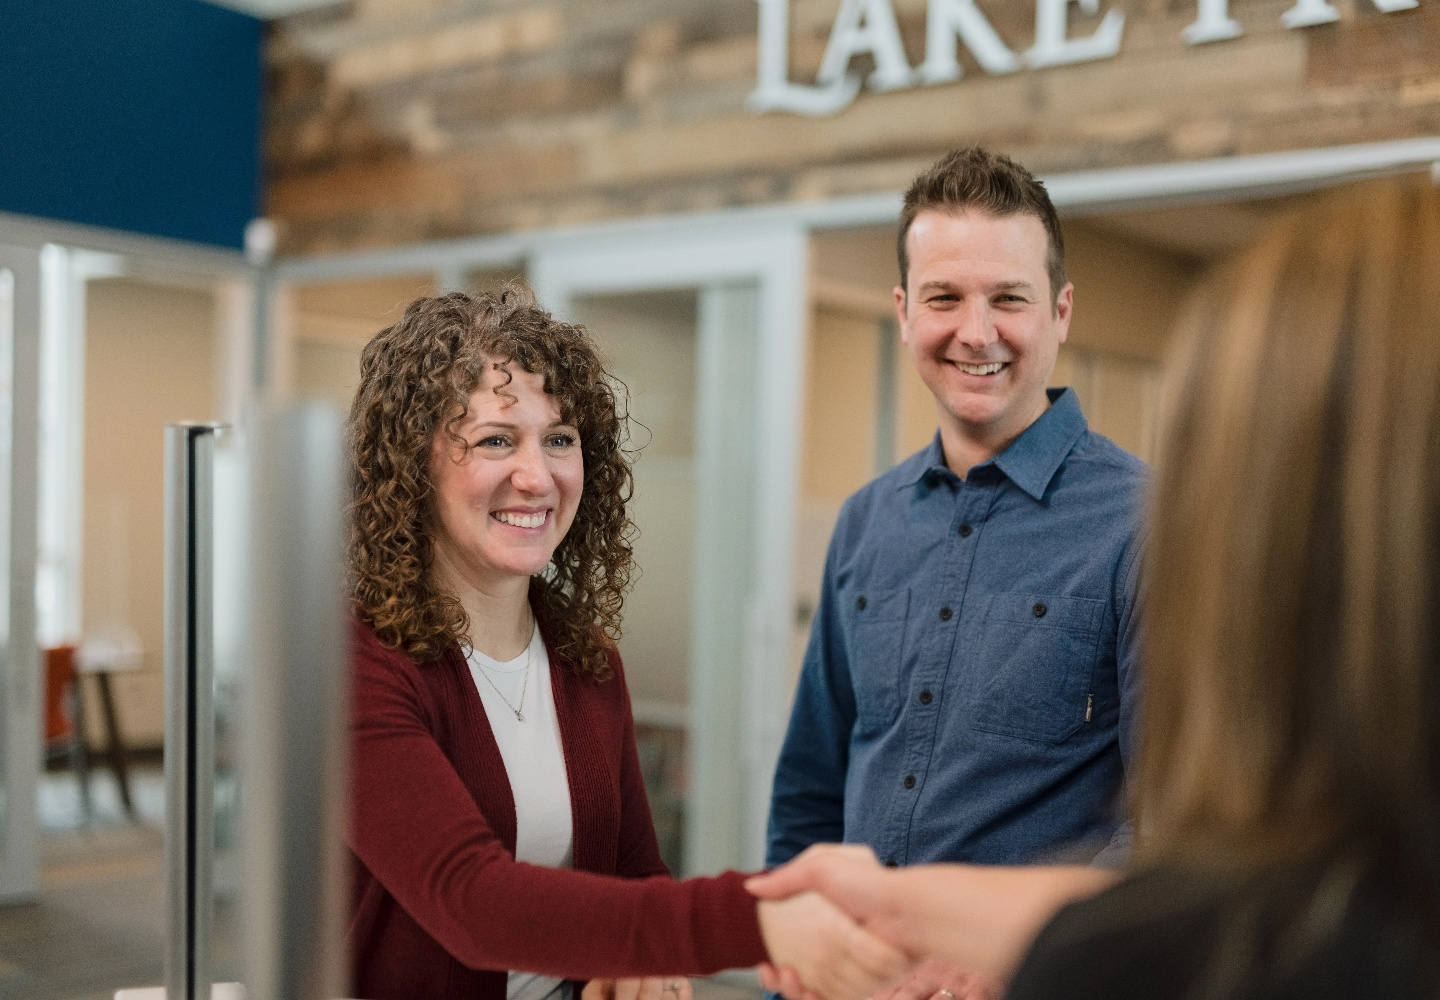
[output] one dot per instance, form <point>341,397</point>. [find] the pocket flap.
<point>877,655</point>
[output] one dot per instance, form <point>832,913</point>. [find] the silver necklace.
<point>525,686</point>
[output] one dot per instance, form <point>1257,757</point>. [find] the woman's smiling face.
<point>505,493</point>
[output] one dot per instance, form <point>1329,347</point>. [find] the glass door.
<point>649,339</point>
<point>706,327</point>
<point>19,661</point>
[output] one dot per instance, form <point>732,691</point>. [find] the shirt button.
<point>860,603</point>
<point>1039,610</point>
<point>909,781</point>
<point>945,613</point>
<point>965,530</point>
<point>926,697</point>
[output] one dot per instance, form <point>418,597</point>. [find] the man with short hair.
<point>969,689</point>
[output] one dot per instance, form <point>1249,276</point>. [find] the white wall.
<point>649,342</point>
<point>149,360</point>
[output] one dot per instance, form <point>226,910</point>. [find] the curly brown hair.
<point>416,379</point>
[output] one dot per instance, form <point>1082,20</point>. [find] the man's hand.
<point>849,875</point>
<point>936,980</point>
<point>817,951</point>
<point>649,988</point>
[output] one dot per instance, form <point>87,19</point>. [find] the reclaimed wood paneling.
<point>393,121</point>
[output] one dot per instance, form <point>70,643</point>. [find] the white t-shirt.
<point>535,765</point>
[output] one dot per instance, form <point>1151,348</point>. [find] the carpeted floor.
<point>99,922</point>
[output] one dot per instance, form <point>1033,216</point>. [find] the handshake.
<point>839,926</point>
<point>836,927</point>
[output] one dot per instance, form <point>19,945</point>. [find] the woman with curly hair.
<point>502,840</point>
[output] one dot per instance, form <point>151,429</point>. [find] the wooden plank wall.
<point>395,121</point>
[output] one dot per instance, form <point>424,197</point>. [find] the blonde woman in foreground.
<point>1289,782</point>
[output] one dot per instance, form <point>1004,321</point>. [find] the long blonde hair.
<point>1293,590</point>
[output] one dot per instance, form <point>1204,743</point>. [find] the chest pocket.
<point>877,648</point>
<point>1037,655</point>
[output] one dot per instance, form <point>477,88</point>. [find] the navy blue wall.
<point>141,115</point>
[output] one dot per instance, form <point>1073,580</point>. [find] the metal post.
<point>189,714</point>
<point>295,720</point>
<point>21,733</point>
<point>722,643</point>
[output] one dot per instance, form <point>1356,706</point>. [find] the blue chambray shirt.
<point>970,686</point>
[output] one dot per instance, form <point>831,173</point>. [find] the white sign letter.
<point>773,89</point>
<point>879,35</point>
<point>950,18</point>
<point>1053,48</point>
<point>1308,12</point>
<point>1213,25</point>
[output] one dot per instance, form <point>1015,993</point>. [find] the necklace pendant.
<point>519,716</point>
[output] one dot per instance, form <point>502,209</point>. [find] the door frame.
<point>21,729</point>
<point>725,818</point>
<point>52,261</point>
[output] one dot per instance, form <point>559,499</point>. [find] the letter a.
<point>879,35</point>
<point>950,18</point>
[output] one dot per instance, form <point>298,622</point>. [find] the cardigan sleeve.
<point>417,830</point>
<point>639,850</point>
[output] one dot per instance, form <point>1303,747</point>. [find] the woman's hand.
<point>649,988</point>
<point>849,875</point>
<point>817,951</point>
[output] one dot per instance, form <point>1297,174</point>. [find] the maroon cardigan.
<point>442,908</point>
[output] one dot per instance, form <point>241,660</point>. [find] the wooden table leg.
<point>119,760</point>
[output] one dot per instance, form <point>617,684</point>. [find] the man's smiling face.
<point>980,321</point>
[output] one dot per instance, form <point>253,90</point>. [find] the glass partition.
<point>231,541</point>
<point>649,339</point>
<point>7,332</point>
<point>327,324</point>
<point>19,666</point>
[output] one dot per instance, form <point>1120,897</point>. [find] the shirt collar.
<point>1032,459</point>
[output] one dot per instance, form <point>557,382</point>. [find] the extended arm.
<point>418,831</point>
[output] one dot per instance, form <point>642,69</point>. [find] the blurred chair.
<point>65,720</point>
<point>112,650</point>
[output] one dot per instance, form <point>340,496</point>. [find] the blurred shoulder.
<point>1164,933</point>
<point>1149,936</point>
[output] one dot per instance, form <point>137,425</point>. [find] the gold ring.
<point>947,993</point>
